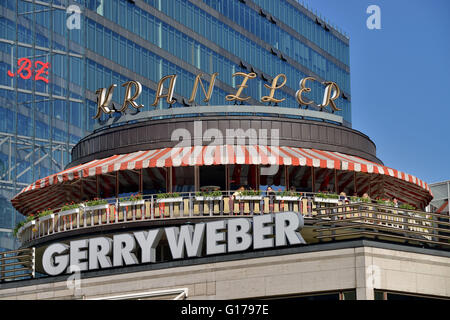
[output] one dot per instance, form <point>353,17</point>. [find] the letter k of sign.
<point>104,98</point>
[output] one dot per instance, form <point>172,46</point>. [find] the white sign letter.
<point>289,231</point>
<point>54,265</point>
<point>124,244</point>
<point>180,237</point>
<point>239,229</point>
<point>148,241</point>
<point>99,249</point>
<point>373,21</point>
<point>261,231</point>
<point>215,237</point>
<point>74,20</point>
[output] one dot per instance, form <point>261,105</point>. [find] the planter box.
<point>208,198</point>
<point>326,200</point>
<point>98,207</point>
<point>384,204</point>
<point>68,212</point>
<point>131,203</point>
<point>25,226</point>
<point>49,216</point>
<point>287,198</point>
<point>248,197</point>
<point>169,200</point>
<point>361,202</point>
<point>28,224</point>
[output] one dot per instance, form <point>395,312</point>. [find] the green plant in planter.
<point>132,198</point>
<point>167,195</point>
<point>215,193</point>
<point>44,213</point>
<point>18,226</point>
<point>29,218</point>
<point>287,193</point>
<point>251,193</point>
<point>407,206</point>
<point>385,202</point>
<point>359,199</point>
<point>95,202</point>
<point>71,206</point>
<point>327,195</point>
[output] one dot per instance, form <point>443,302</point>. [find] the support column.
<point>355,187</point>
<point>336,182</point>
<point>227,178</point>
<point>368,275</point>
<point>365,293</point>
<point>117,185</point>
<point>197,178</point>
<point>97,186</point>
<point>141,181</point>
<point>169,179</point>
<point>286,177</point>
<point>81,189</point>
<point>258,176</point>
<point>313,180</point>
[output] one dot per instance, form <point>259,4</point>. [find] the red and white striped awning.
<point>205,155</point>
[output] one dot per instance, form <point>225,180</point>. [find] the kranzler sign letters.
<point>133,90</point>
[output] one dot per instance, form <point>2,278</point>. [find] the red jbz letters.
<point>25,70</point>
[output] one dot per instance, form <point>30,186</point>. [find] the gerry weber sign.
<point>220,237</point>
<point>105,105</point>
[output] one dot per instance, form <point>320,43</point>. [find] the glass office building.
<point>42,105</point>
<point>151,39</point>
<point>441,193</point>
<point>144,40</point>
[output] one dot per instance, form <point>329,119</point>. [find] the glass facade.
<point>441,197</point>
<point>42,105</point>
<point>144,40</point>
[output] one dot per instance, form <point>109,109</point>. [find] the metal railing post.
<point>33,262</point>
<point>191,205</point>
<point>435,224</point>
<point>116,211</point>
<point>211,207</point>
<point>1,267</point>
<point>152,214</point>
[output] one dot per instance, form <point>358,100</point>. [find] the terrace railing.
<point>381,221</point>
<point>186,205</point>
<point>331,216</point>
<point>17,264</point>
<point>330,219</point>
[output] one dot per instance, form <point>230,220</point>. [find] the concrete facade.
<point>362,267</point>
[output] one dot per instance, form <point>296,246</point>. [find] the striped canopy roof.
<point>38,196</point>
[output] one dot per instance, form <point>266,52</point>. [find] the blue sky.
<point>400,80</point>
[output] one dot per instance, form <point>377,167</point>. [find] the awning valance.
<point>209,155</point>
